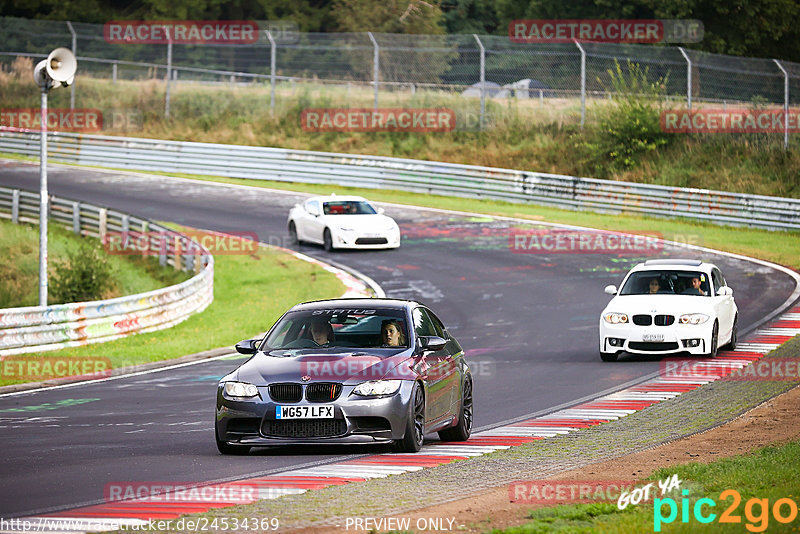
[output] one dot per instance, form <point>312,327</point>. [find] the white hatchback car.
<point>342,222</point>
<point>669,306</point>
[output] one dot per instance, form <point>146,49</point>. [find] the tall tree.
<point>388,16</point>
<point>470,16</point>
<point>760,28</point>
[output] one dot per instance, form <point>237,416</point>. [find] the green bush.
<point>85,275</point>
<point>632,127</point>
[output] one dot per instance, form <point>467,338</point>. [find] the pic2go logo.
<point>756,511</point>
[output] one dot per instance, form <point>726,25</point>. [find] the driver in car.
<point>695,289</point>
<point>654,286</point>
<point>322,332</point>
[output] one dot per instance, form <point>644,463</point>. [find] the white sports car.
<point>342,222</point>
<point>669,306</point>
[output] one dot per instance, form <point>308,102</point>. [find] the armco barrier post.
<point>102,224</point>
<point>76,218</point>
<point>177,258</point>
<point>126,222</point>
<point>15,206</point>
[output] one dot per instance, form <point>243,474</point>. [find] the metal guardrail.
<point>39,328</point>
<point>379,172</point>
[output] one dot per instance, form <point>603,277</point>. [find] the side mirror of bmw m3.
<point>432,343</point>
<point>248,346</point>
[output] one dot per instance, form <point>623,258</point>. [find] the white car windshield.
<point>666,282</point>
<point>348,207</point>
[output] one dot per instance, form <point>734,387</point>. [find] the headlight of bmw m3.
<point>615,318</point>
<point>240,389</point>
<point>693,318</point>
<point>377,388</point>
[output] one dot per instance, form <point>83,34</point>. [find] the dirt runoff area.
<point>776,421</point>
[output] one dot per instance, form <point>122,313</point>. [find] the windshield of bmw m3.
<point>331,328</point>
<point>667,282</point>
<point>348,207</point>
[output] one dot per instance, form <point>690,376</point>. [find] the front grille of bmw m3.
<point>286,392</point>
<point>304,428</point>
<point>323,392</point>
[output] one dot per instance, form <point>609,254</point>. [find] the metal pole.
<point>688,78</point>
<point>74,52</point>
<point>271,72</point>
<point>785,104</point>
<point>375,66</point>
<point>114,72</point>
<point>583,82</point>
<point>169,72</point>
<point>43,201</point>
<point>483,79</point>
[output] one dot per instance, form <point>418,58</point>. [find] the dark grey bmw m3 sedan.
<point>347,371</point>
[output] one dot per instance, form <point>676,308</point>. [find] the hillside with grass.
<point>78,268</point>
<point>622,139</point>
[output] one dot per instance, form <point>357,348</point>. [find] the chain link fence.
<point>380,68</point>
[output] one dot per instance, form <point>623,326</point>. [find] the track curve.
<point>528,323</point>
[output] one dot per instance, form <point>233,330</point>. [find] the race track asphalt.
<point>528,323</point>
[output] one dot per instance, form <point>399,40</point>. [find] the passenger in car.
<point>392,333</point>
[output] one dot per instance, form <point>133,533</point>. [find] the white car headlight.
<point>240,389</point>
<point>376,388</point>
<point>615,318</point>
<point>693,318</point>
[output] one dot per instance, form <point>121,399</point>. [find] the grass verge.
<point>250,293</point>
<point>778,478</point>
<point>523,133</point>
<point>19,272</point>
